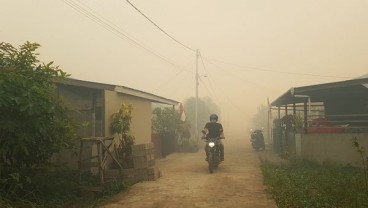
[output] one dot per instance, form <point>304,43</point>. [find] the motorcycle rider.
<point>213,129</point>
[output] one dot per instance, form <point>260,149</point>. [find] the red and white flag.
<point>181,112</point>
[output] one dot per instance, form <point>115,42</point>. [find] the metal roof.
<point>349,89</point>
<point>118,89</point>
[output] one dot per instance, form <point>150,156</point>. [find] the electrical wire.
<point>171,79</point>
<point>228,100</point>
<point>145,16</point>
<point>239,78</point>
<point>212,88</point>
<point>279,72</point>
<point>204,67</point>
<point>168,81</point>
<point>206,74</point>
<point>91,15</point>
<point>180,85</point>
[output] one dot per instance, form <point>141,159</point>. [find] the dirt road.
<point>186,182</point>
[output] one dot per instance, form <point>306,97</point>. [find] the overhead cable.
<point>204,67</point>
<point>145,16</point>
<point>281,72</point>
<point>227,99</point>
<point>222,93</point>
<point>171,79</point>
<point>91,14</point>
<point>239,78</point>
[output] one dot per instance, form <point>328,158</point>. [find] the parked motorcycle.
<point>213,158</point>
<point>257,139</point>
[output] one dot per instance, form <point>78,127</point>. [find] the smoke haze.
<point>249,50</point>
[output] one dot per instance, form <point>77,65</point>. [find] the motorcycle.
<point>257,139</point>
<point>213,158</point>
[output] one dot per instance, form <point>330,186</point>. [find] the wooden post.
<point>305,115</point>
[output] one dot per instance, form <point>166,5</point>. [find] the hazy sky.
<point>250,49</point>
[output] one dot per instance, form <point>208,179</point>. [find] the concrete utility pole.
<point>196,101</point>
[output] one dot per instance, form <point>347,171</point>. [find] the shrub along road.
<point>186,182</point>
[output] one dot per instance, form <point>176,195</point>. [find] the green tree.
<point>166,120</point>
<point>205,108</point>
<point>33,121</point>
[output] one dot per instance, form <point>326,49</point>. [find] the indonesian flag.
<point>269,108</point>
<point>181,112</point>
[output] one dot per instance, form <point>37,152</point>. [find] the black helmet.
<point>213,117</point>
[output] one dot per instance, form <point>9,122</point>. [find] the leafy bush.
<point>166,120</point>
<point>33,122</point>
<point>120,125</point>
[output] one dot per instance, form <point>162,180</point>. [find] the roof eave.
<point>116,88</point>
<point>287,97</point>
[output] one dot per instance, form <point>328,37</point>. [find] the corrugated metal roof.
<point>364,76</point>
<point>348,89</point>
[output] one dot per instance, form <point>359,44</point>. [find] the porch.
<point>319,122</point>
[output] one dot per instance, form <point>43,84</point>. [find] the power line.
<point>210,91</point>
<point>227,98</point>
<point>204,67</point>
<point>239,78</point>
<point>281,72</point>
<point>167,82</point>
<point>223,94</point>
<point>180,85</point>
<point>207,75</point>
<point>91,14</point>
<point>145,16</point>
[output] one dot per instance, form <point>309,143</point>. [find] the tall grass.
<point>301,183</point>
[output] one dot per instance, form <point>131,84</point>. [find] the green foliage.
<point>33,121</point>
<point>183,129</point>
<point>307,184</point>
<point>288,153</point>
<point>117,187</point>
<point>122,119</point>
<point>205,108</point>
<point>120,125</point>
<point>165,120</point>
<point>364,160</point>
<point>57,189</point>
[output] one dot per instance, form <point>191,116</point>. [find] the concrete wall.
<point>141,126</point>
<point>141,115</point>
<point>334,148</point>
<point>81,99</point>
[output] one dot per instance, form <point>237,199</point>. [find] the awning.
<point>356,89</point>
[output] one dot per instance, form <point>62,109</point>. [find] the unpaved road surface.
<point>186,182</point>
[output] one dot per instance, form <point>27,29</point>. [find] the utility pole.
<point>196,101</point>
